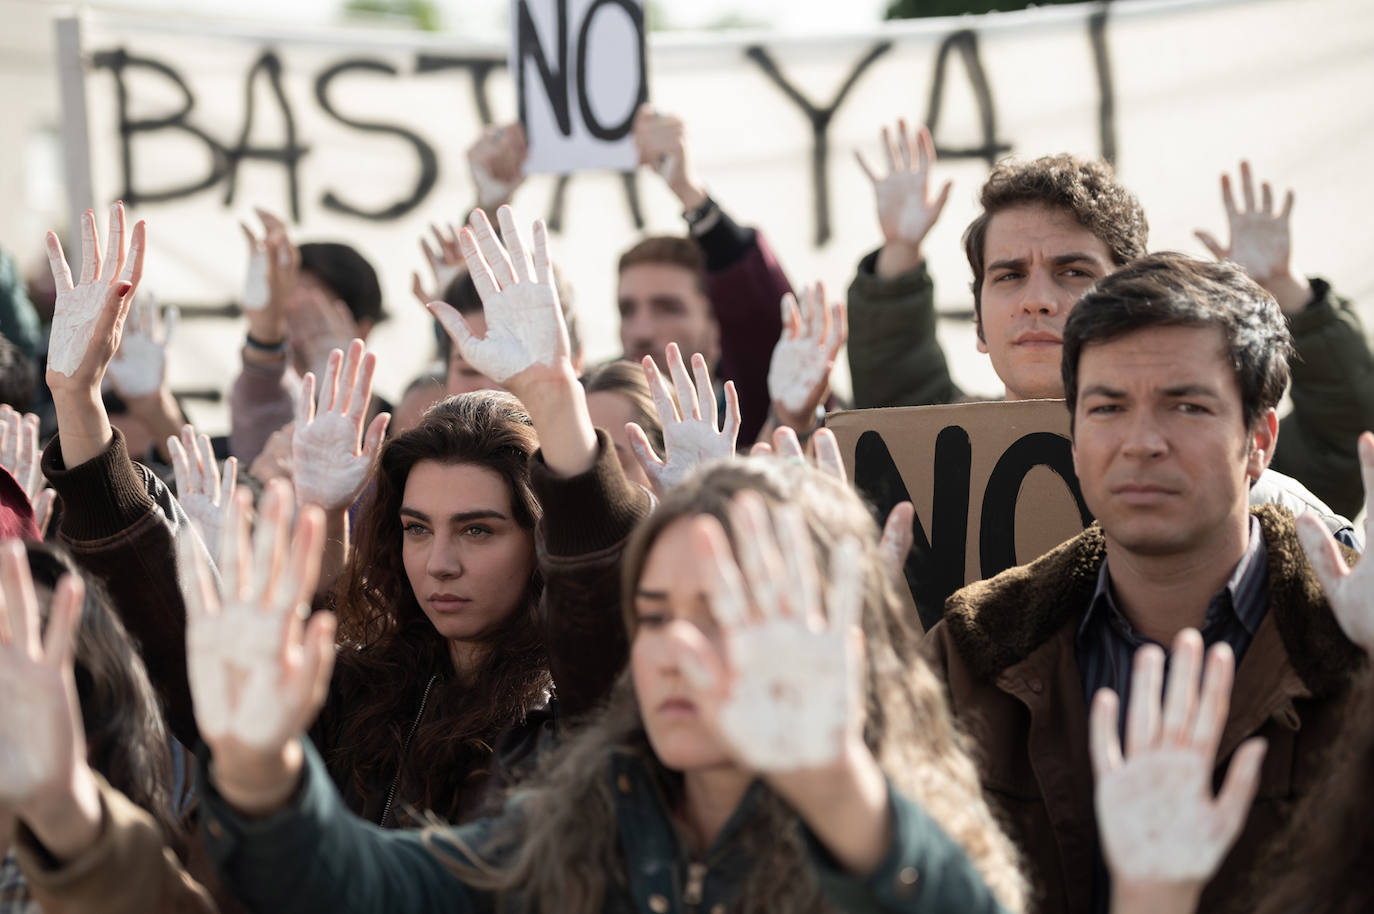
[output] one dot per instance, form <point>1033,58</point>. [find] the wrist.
<point>256,783</point>
<point>266,328</point>
<point>1153,898</point>
<point>68,821</point>
<point>1291,292</point>
<point>83,426</point>
<point>690,194</point>
<point>898,257</point>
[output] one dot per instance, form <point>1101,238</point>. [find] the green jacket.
<point>896,360</point>
<point>315,856</point>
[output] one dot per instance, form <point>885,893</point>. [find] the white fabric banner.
<point>359,136</point>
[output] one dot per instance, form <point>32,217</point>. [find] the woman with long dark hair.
<point>778,744</point>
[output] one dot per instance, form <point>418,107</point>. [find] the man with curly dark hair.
<point>1051,227</point>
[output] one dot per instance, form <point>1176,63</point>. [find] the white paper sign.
<point>581,74</point>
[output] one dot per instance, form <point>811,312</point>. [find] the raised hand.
<point>690,437</point>
<point>662,143</point>
<point>785,693</point>
<point>526,337</point>
<point>258,671</point>
<point>21,455</point>
<point>274,461</point>
<point>906,210</point>
<point>273,265</point>
<point>202,493</point>
<point>139,367</point>
<point>445,263</point>
<point>1162,829</point>
<point>43,770</point>
<point>1349,591</point>
<point>799,374</point>
<point>497,164</point>
<point>88,316</point>
<point>330,458</point>
<point>1260,240</point>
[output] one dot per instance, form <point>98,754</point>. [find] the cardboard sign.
<point>993,485</point>
<point>581,73</point>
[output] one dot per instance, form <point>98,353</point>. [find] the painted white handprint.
<point>1349,591</point>
<point>1159,820</point>
<point>812,336</point>
<point>906,211</point>
<point>1261,239</point>
<point>104,283</point>
<point>139,367</point>
<point>785,694</point>
<point>525,327</point>
<point>255,668</point>
<point>202,493</point>
<point>330,459</point>
<point>692,436</point>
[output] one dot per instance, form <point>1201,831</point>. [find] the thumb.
<point>644,453</point>
<point>1238,790</point>
<point>454,325</point>
<point>1211,243</point>
<point>375,433</point>
<point>938,206</point>
<point>898,534</point>
<point>42,510</point>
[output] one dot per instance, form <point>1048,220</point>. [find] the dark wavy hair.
<point>1086,188</point>
<point>391,646</point>
<point>126,738</point>
<point>1174,290</point>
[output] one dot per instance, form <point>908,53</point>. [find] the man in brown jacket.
<point>1172,369</point>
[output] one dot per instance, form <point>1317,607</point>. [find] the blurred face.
<point>610,411</point>
<point>313,310</point>
<point>462,377</point>
<point>661,304</point>
<point>1039,262</point>
<point>670,603</point>
<point>413,405</point>
<point>468,562</point>
<point>1160,443</point>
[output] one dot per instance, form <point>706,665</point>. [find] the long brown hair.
<point>567,855</point>
<point>1321,864</point>
<point>391,646</point>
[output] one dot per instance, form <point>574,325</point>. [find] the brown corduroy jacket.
<point>1005,648</point>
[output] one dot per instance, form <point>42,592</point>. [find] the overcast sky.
<point>790,15</point>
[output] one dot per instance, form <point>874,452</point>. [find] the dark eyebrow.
<point>1075,257</point>
<point>655,595</point>
<point>1191,390</point>
<point>1015,263</point>
<point>463,517</point>
<point>1102,390</point>
<point>672,301</point>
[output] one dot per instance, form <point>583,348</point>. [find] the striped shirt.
<point>1106,643</point>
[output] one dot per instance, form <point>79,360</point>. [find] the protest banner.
<point>993,485</point>
<point>359,136</point>
<point>581,74</point>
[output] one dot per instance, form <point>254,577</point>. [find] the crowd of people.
<point>553,636</point>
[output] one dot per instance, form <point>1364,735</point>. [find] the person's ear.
<point>1264,435</point>
<point>365,327</point>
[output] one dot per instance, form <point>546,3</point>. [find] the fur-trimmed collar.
<point>998,622</point>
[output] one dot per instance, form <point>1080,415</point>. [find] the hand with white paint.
<point>273,267</point>
<point>331,459</point>
<point>258,672</point>
<point>44,777</point>
<point>1261,241</point>
<point>785,694</point>
<point>813,333</point>
<point>139,367</point>
<point>203,494</point>
<point>445,260</point>
<point>21,455</point>
<point>88,316</point>
<point>1163,832</point>
<point>906,210</point>
<point>526,340</point>
<point>1349,591</point>
<point>692,432</point>
<point>662,143</point>
<point>496,162</point>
